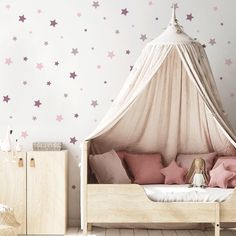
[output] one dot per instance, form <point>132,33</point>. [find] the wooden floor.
<point>144,232</point>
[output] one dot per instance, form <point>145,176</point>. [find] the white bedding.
<point>182,193</point>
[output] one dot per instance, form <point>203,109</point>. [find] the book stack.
<point>47,146</point>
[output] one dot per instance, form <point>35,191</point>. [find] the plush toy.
<point>197,175</point>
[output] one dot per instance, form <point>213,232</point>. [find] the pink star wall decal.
<point>189,17</point>
<point>73,140</point>
<point>24,134</point>
<point>8,61</point>
<point>59,118</point>
<point>110,54</point>
<point>228,62</point>
<point>39,66</point>
<point>37,103</point>
<point>6,98</point>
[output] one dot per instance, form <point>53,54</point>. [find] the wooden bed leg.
<point>217,220</point>
<point>90,227</point>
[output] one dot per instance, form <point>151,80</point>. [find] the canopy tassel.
<point>174,22</point>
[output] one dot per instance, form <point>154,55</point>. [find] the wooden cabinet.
<point>37,190</point>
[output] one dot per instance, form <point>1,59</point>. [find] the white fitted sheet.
<point>182,193</point>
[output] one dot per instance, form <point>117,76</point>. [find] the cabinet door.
<point>13,185</point>
<point>46,192</point>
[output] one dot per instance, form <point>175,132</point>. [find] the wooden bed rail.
<point>130,204</point>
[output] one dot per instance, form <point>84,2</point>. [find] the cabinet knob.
<point>20,162</point>
<point>32,162</point>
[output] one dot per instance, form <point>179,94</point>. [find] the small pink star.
<point>189,17</point>
<point>124,11</point>
<point>215,8</point>
<point>37,103</point>
<point>24,134</point>
<point>110,54</point>
<point>76,115</point>
<point>98,66</point>
<point>228,62</point>
<point>73,75</point>
<point>150,3</point>
<point>39,66</point>
<point>79,14</point>
<point>8,61</point>
<point>6,98</point>
<point>22,18</point>
<point>39,11</point>
<point>73,140</point>
<point>212,42</point>
<point>8,6</point>
<point>59,118</point>
<point>53,23</point>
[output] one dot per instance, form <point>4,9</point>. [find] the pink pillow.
<point>108,168</point>
<point>229,164</point>
<point>185,160</point>
<point>145,168</point>
<point>220,176</point>
<point>174,174</point>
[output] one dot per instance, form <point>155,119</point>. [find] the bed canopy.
<point>169,103</point>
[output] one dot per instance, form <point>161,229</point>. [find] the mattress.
<point>182,193</point>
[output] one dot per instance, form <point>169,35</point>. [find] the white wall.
<point>94,32</point>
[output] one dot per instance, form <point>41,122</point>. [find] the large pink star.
<point>8,61</point>
<point>110,54</point>
<point>124,11</point>
<point>228,62</point>
<point>59,118</point>
<point>53,23</point>
<point>22,18</point>
<point>39,66</point>
<point>73,140</point>
<point>24,134</point>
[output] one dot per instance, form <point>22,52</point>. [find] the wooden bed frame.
<point>128,203</point>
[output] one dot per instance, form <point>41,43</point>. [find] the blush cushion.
<point>145,168</point>
<point>174,174</point>
<point>220,176</point>
<point>185,160</point>
<point>108,168</point>
<point>229,164</point>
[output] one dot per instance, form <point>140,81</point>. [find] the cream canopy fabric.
<point>169,103</point>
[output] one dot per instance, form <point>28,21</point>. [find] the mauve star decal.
<point>53,23</point>
<point>24,134</point>
<point>6,98</point>
<point>124,11</point>
<point>79,14</point>
<point>110,54</point>
<point>49,83</point>
<point>212,42</point>
<point>22,18</point>
<point>74,51</point>
<point>39,66</point>
<point>8,61</point>
<point>228,62</point>
<point>143,37</point>
<point>73,75</point>
<point>76,115</point>
<point>127,51</point>
<point>175,6</point>
<point>37,103</point>
<point>189,17</point>
<point>94,103</point>
<point>25,58</point>
<point>56,63</point>
<point>59,118</point>
<point>96,4</point>
<point>73,140</point>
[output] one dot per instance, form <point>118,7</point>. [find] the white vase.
<point>6,144</point>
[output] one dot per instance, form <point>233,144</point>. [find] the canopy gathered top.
<point>169,103</point>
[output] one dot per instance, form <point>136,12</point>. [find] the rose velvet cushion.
<point>229,164</point>
<point>185,160</point>
<point>220,177</point>
<point>145,168</point>
<point>174,174</point>
<point>108,168</point>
